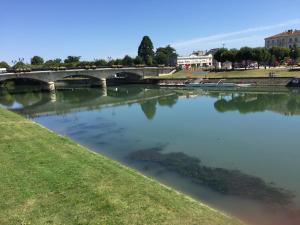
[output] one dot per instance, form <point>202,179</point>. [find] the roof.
<point>285,34</point>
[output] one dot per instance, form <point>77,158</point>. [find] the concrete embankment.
<point>257,81</point>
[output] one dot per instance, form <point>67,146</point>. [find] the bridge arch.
<point>19,81</point>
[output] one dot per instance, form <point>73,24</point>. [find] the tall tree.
<point>265,56</point>
<point>145,50</point>
<point>161,58</point>
<point>219,55</point>
<point>245,54</point>
<point>258,56</point>
<point>166,56</point>
<point>230,55</point>
<point>37,60</point>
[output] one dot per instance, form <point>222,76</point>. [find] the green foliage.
<point>127,61</point>
<point>72,61</point>
<point>52,63</point>
<point>161,58</point>
<point>145,50</point>
<point>230,55</point>
<point>294,53</point>
<point>19,65</point>
<point>138,60</point>
<point>118,62</point>
<point>166,56</point>
<point>219,55</point>
<point>37,60</point>
<point>4,65</point>
<point>100,62</point>
<point>245,54</point>
<point>279,53</point>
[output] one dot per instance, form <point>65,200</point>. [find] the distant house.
<point>198,59</point>
<point>2,70</point>
<point>285,39</point>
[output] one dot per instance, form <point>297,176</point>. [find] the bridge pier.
<point>50,86</point>
<point>103,83</point>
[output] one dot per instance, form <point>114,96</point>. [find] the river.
<point>235,149</point>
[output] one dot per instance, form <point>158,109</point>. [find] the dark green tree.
<point>230,55</point>
<point>19,65</point>
<point>258,56</point>
<point>279,53</point>
<point>219,55</point>
<point>294,53</point>
<point>161,58</point>
<point>100,62</point>
<point>169,53</point>
<point>245,55</point>
<point>265,56</point>
<point>37,60</point>
<point>145,50</point>
<point>4,65</point>
<point>72,61</point>
<point>127,61</point>
<point>52,63</point>
<point>138,60</point>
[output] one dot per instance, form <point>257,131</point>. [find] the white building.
<point>2,70</point>
<point>286,39</point>
<point>197,59</point>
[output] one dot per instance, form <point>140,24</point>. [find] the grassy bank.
<point>49,179</point>
<point>237,73</point>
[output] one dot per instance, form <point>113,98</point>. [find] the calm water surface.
<point>237,150</point>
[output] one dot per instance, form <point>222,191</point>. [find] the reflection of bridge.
<point>50,77</point>
<point>67,101</point>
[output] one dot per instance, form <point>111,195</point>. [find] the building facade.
<point>197,59</point>
<point>286,39</point>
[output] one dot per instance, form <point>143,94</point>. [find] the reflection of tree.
<point>6,98</point>
<point>28,98</point>
<point>168,100</point>
<point>283,103</point>
<point>149,108</point>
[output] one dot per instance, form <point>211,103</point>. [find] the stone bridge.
<point>48,78</point>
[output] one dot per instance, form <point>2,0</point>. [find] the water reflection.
<point>284,101</point>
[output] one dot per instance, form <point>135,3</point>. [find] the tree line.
<point>165,56</point>
<point>263,56</point>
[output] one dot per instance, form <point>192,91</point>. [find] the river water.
<point>235,149</point>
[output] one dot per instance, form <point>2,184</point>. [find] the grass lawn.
<point>49,179</point>
<point>237,73</point>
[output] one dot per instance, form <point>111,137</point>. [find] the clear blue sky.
<point>98,29</point>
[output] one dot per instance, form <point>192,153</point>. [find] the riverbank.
<point>48,179</point>
<point>236,74</point>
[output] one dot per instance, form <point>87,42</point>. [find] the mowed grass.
<point>237,73</point>
<point>49,179</point>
